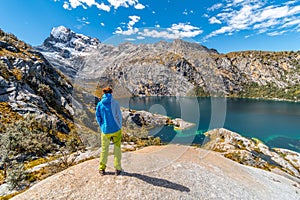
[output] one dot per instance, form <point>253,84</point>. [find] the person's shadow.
<point>157,181</point>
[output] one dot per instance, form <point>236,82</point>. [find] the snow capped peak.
<point>61,33</point>
<point>67,43</point>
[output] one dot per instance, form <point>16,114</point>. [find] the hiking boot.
<point>102,172</point>
<point>118,172</point>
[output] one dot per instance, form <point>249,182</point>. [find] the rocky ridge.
<point>176,68</point>
<point>253,152</point>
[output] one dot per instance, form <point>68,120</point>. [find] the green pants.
<point>105,139</point>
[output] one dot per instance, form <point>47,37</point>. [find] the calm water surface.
<point>275,123</point>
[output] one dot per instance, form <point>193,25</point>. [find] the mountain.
<point>173,68</point>
<point>36,119</point>
<point>37,114</point>
<point>30,84</point>
<point>64,49</point>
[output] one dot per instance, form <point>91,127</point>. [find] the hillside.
<point>175,68</point>
<point>29,84</point>
<point>166,172</point>
<point>36,118</point>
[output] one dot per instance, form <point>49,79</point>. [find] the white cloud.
<point>292,23</point>
<point>185,30</point>
<point>130,29</point>
<point>266,24</point>
<point>126,3</point>
<point>214,20</point>
<point>224,29</point>
<point>236,2</point>
<point>75,3</point>
<point>126,32</point>
<point>104,7</point>
<point>102,24</point>
<point>215,7</point>
<point>275,33</point>
<point>134,20</point>
<point>71,4</point>
<point>140,37</point>
<point>295,10</point>
<point>122,3</point>
<point>83,22</point>
<point>256,15</point>
<point>158,34</point>
<point>186,12</point>
<point>290,2</point>
<point>66,6</point>
<point>242,18</point>
<point>272,12</point>
<point>130,39</point>
<point>177,31</point>
<point>139,6</point>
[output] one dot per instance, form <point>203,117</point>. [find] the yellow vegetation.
<point>38,161</point>
<point>1,176</point>
<point>17,73</point>
<point>7,115</point>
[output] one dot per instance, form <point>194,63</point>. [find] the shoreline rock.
<point>252,152</point>
<point>139,119</point>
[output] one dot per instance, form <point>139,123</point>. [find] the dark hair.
<point>107,90</point>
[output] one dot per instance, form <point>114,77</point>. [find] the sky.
<point>225,25</point>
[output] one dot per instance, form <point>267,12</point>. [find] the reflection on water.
<point>275,123</point>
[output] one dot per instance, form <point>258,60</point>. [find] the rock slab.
<point>166,172</point>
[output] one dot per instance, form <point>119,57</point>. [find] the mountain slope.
<point>29,84</point>
<point>37,115</point>
<point>176,68</point>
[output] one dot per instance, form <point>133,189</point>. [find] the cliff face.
<point>176,68</point>
<point>36,113</point>
<point>30,85</point>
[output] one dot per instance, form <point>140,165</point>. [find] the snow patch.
<point>60,33</point>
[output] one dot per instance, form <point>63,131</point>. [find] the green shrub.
<point>19,142</point>
<point>46,92</point>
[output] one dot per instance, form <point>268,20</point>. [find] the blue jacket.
<point>108,114</point>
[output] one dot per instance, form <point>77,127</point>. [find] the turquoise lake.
<point>276,123</point>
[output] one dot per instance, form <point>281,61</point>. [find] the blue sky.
<point>226,25</point>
